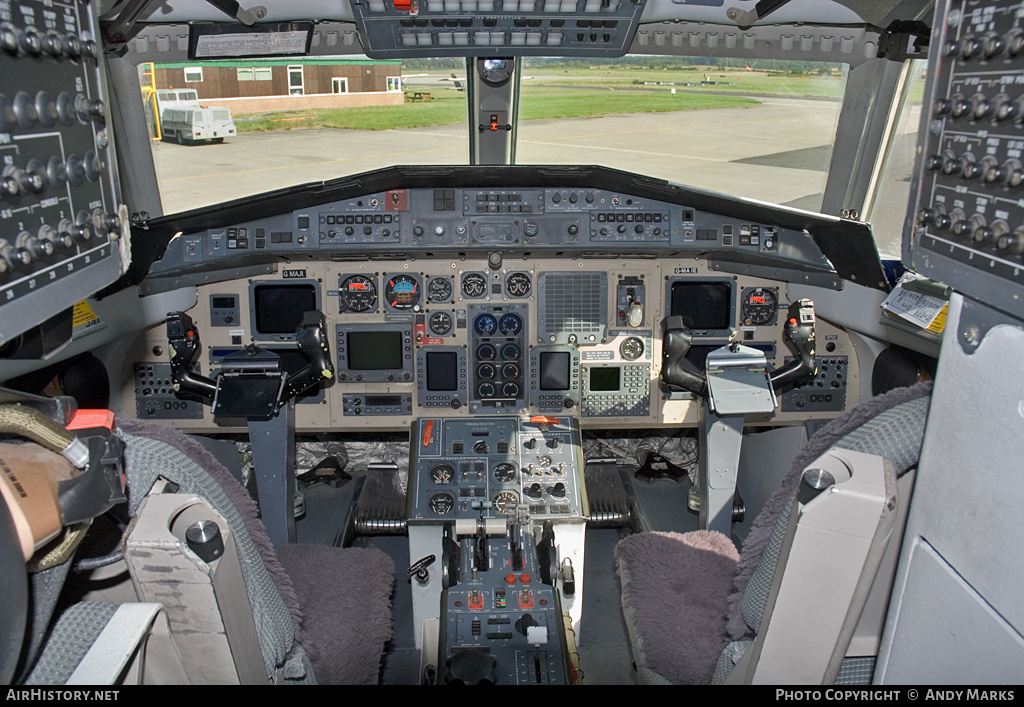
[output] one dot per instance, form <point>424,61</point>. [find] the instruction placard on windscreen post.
<point>924,313</point>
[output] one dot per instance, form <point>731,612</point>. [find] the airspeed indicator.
<point>357,293</point>
<point>759,306</point>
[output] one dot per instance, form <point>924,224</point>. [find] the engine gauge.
<point>357,293</point>
<point>474,285</point>
<point>402,292</point>
<point>510,324</point>
<point>442,474</point>
<point>440,323</point>
<point>506,501</point>
<point>485,324</point>
<point>505,473</point>
<point>759,306</point>
<point>510,352</point>
<point>485,352</point>
<point>517,285</point>
<point>439,289</point>
<point>441,503</point>
<point>486,390</point>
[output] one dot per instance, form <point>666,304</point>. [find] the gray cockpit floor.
<point>605,654</point>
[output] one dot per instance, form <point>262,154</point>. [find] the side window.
<point>193,74</point>
<point>296,86</point>
<point>886,206</point>
<point>394,83</point>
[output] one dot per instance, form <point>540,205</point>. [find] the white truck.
<point>197,124</point>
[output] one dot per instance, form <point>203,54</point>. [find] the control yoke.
<point>310,338</point>
<point>678,372</point>
<point>736,382</point>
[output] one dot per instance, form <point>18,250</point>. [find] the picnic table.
<point>417,96</point>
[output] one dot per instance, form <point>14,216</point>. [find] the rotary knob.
<point>1011,243</point>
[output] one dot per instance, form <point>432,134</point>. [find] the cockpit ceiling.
<point>724,12</point>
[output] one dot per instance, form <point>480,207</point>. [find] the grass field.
<point>576,93</point>
<point>743,82</point>
<point>449,107</point>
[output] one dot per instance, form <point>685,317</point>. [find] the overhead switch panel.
<point>400,29</point>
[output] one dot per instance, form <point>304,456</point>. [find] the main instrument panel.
<point>469,301</point>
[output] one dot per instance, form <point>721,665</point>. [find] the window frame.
<point>299,90</point>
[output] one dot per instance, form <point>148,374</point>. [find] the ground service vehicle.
<point>532,380</point>
<point>188,125</point>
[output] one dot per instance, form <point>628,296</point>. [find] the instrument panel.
<point>574,337</point>
<point>469,292</point>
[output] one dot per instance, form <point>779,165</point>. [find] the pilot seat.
<point>319,614</point>
<point>783,609</point>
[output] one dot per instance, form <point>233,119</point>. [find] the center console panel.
<point>500,487</point>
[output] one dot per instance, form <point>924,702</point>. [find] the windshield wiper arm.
<point>746,19</point>
<point>234,10</point>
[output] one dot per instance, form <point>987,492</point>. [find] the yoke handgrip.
<point>676,370</point>
<point>183,339</point>
<point>312,341</point>
<point>799,329</point>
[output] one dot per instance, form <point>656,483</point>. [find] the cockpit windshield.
<point>762,130</point>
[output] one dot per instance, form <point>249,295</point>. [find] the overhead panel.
<point>965,225</point>
<point>400,29</point>
<point>61,220</point>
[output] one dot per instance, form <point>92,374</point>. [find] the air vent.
<point>573,307</point>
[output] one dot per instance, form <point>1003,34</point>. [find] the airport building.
<point>262,85</point>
